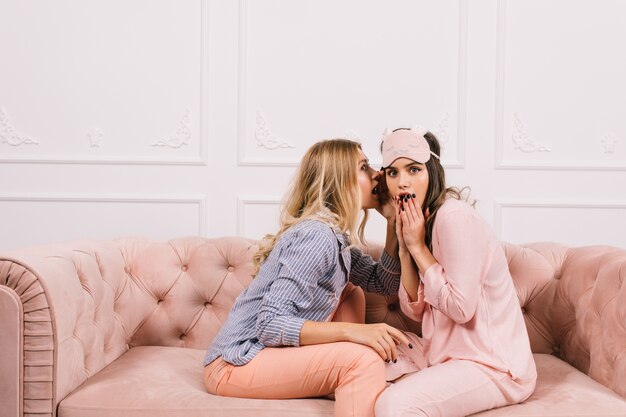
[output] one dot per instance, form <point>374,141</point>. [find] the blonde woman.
<point>278,341</point>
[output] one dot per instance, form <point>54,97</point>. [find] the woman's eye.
<point>414,170</point>
<point>391,173</point>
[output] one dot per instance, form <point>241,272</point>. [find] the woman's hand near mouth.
<point>413,228</point>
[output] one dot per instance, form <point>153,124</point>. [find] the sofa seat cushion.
<point>167,381</point>
<point>563,390</point>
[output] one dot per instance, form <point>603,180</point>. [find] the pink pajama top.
<point>467,303</point>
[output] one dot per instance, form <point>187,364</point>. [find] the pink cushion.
<point>167,381</point>
<point>563,391</point>
<point>157,381</point>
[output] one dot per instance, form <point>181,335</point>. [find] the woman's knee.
<point>384,405</point>
<point>366,357</point>
<point>391,403</point>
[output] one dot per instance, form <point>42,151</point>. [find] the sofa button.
<point>556,349</point>
<point>523,310</point>
<point>159,301</point>
<point>231,268</point>
<point>182,337</point>
<point>207,303</point>
<point>392,307</point>
<point>184,268</point>
<point>127,269</point>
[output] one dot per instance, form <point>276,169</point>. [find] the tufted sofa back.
<point>574,305</point>
<point>86,303</point>
<point>83,304</point>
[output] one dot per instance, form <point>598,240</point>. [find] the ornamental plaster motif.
<point>441,131</point>
<point>521,140</point>
<point>608,142</point>
<point>265,138</point>
<point>182,135</point>
<point>95,137</point>
<point>8,134</point>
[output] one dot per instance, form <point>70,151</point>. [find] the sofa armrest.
<point>60,324</point>
<point>11,377</point>
<point>26,382</point>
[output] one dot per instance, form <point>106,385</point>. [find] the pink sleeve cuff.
<point>434,281</point>
<point>412,309</point>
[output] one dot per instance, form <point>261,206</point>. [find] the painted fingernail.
<point>387,360</point>
<point>413,195</point>
<point>402,208</point>
<point>410,346</point>
<point>395,360</point>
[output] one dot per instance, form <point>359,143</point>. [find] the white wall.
<point>164,118</point>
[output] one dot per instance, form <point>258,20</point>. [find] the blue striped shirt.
<point>301,279</point>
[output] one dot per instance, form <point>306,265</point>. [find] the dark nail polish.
<point>395,360</point>
<point>410,346</point>
<point>402,208</point>
<point>387,360</point>
<point>413,195</point>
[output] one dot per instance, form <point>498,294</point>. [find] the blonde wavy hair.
<point>326,188</point>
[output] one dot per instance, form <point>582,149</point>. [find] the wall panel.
<point>583,223</point>
<point>38,219</point>
<point>310,70</point>
<point>561,94</point>
<point>113,82</point>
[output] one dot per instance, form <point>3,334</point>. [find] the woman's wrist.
<point>404,254</point>
<point>418,250</point>
<point>423,257</point>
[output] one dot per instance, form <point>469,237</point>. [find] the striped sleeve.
<point>381,277</point>
<point>304,259</point>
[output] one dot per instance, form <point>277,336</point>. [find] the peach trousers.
<point>354,373</point>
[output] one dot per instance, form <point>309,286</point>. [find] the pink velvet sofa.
<point>119,328</point>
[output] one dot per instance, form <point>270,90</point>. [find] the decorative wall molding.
<point>95,136</point>
<point>462,89</point>
<point>521,140</point>
<point>441,131</point>
<point>8,134</point>
<point>200,201</point>
<point>182,135</point>
<point>243,160</point>
<point>608,142</point>
<point>123,159</point>
<point>242,202</point>
<point>265,138</point>
<point>103,160</point>
<point>500,162</point>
